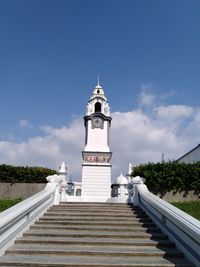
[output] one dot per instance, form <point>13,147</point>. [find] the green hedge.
<point>170,176</point>
<point>13,174</point>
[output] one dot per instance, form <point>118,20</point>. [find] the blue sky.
<point>146,53</point>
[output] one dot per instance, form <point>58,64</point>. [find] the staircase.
<point>94,234</point>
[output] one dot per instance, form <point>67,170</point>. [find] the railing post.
<point>57,181</point>
<point>133,192</point>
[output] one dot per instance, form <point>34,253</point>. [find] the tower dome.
<point>121,180</point>
<point>98,90</point>
<point>98,102</point>
<point>63,169</point>
<point>98,93</point>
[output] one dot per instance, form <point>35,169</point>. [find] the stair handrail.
<point>182,228</point>
<point>15,220</point>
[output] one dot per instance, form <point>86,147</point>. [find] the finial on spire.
<point>98,80</point>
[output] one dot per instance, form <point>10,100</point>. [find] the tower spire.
<point>98,80</point>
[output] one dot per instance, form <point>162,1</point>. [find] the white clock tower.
<point>96,167</point>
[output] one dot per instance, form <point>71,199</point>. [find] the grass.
<point>7,203</point>
<point>190,207</point>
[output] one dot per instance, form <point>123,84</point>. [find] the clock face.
<point>97,122</point>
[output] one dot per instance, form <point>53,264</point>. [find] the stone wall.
<point>182,196</point>
<point>19,190</point>
<point>25,190</point>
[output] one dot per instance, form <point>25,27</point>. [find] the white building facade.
<point>192,156</point>
<point>96,167</point>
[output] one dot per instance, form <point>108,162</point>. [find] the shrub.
<point>170,176</point>
<point>20,174</point>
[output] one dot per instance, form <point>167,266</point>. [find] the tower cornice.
<point>98,97</point>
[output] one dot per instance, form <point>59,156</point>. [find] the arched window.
<point>98,107</point>
<point>78,192</point>
<point>98,91</point>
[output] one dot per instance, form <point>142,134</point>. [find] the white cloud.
<point>50,150</point>
<point>147,98</point>
<point>24,124</point>
<point>137,136</point>
<point>174,112</point>
<point>193,128</point>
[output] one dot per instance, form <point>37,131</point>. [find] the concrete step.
<point>94,261</point>
<point>94,218</point>
<point>96,223</point>
<point>99,204</point>
<point>94,234</point>
<point>112,209</point>
<point>79,208</point>
<point>98,234</point>
<point>92,241</point>
<point>98,250</point>
<point>94,214</point>
<point>96,204</point>
<point>95,228</point>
